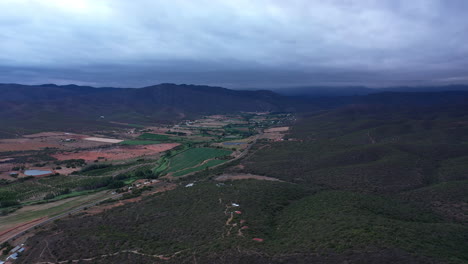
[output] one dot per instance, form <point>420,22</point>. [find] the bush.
<point>49,196</point>
<point>95,167</point>
<point>8,203</point>
<point>116,185</point>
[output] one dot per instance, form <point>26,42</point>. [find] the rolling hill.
<point>49,107</point>
<point>27,109</point>
<point>360,183</point>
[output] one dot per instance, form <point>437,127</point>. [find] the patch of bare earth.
<point>242,176</point>
<point>116,153</point>
<point>105,140</point>
<point>275,133</point>
<point>6,176</point>
<point>60,140</point>
<point>276,129</point>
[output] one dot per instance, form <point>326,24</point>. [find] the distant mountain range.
<point>25,108</point>
<point>324,91</point>
<point>29,108</point>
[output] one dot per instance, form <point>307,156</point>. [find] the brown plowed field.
<point>116,153</point>
<point>48,140</point>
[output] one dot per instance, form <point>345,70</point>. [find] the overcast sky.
<point>234,43</point>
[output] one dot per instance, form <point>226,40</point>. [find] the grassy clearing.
<point>130,180</point>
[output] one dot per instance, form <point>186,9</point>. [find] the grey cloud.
<point>235,43</point>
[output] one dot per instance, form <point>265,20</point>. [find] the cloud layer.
<point>235,43</point>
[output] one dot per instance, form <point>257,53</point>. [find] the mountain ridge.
<point>37,107</point>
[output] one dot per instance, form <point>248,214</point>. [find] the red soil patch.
<point>257,239</point>
<point>116,153</point>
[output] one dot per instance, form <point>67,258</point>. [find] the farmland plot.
<point>195,156</point>
<point>37,189</point>
<point>203,166</point>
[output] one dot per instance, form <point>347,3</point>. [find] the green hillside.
<point>360,185</point>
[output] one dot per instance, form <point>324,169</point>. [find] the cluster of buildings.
<point>14,254</point>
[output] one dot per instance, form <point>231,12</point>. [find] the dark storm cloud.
<point>234,43</point>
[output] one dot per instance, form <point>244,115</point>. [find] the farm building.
<point>13,250</point>
<point>13,256</point>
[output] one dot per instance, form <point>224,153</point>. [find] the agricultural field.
<point>89,166</point>
<point>331,187</point>
<point>56,140</point>
<point>155,137</point>
<point>31,212</point>
<point>187,152</point>
<point>38,189</point>
<point>186,161</point>
<point>116,152</point>
<point>204,165</point>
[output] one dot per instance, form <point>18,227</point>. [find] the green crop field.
<point>195,156</point>
<point>158,137</point>
<point>208,164</point>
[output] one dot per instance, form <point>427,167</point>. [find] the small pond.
<point>36,172</point>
